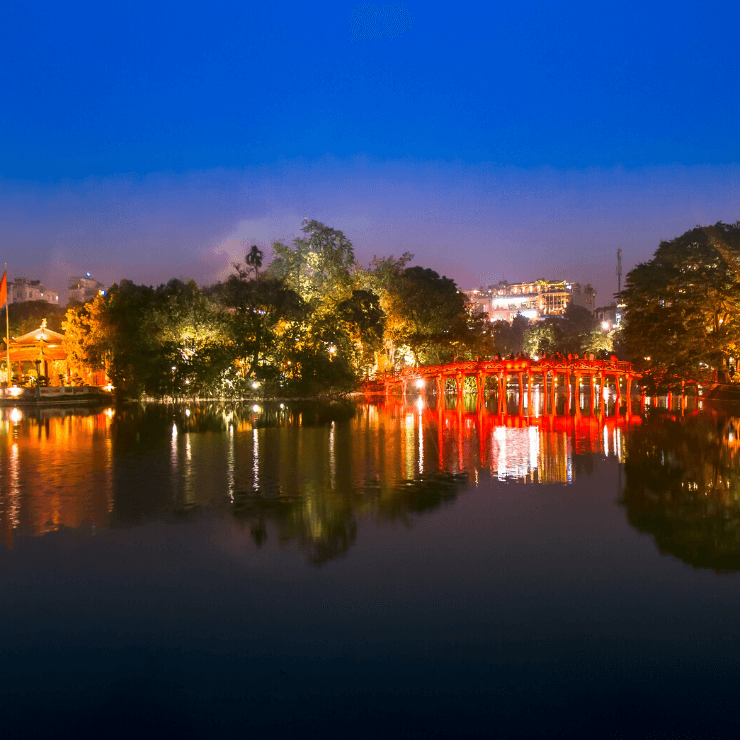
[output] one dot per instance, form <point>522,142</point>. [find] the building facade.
<point>83,289</point>
<point>533,300</point>
<point>22,289</point>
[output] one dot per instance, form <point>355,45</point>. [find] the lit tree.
<point>683,306</point>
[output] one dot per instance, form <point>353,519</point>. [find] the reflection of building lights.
<point>420,404</point>
<point>109,413</point>
<point>15,415</point>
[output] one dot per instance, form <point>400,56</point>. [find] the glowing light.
<point>15,391</point>
<point>332,349</point>
<point>420,404</point>
<point>187,412</point>
<point>255,385</point>
<point>256,409</point>
<point>605,325</point>
<point>108,387</point>
<point>109,413</point>
<point>420,383</point>
<point>15,415</point>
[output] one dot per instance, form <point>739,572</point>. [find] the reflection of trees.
<point>682,487</point>
<point>324,523</point>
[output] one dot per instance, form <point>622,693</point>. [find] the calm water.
<point>369,571</point>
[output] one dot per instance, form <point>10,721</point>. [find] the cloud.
<point>371,21</point>
<point>475,223</point>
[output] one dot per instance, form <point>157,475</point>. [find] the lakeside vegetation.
<point>316,321</point>
<point>311,321</point>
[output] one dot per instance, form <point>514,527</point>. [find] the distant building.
<point>22,289</point>
<point>83,289</point>
<point>533,300</point>
<point>610,316</point>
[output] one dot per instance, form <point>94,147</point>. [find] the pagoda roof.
<point>42,334</point>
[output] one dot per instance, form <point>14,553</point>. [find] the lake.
<point>370,570</point>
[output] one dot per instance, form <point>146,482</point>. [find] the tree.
<point>428,307</point>
<point>508,338</point>
<point>318,265</point>
<point>28,315</point>
<point>541,338</point>
<point>254,259</point>
<point>683,306</point>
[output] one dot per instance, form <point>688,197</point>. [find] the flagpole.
<point>7,330</point>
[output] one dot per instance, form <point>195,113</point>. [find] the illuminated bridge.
<point>546,376</point>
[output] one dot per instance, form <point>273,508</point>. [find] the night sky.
<point>504,140</point>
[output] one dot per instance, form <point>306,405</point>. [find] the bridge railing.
<point>510,366</point>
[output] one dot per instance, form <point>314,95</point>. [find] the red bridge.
<point>573,371</point>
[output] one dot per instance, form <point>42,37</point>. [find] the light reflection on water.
<point>502,571</point>
<point>311,471</point>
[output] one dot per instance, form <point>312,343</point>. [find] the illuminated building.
<point>22,289</point>
<point>83,289</point>
<point>533,300</point>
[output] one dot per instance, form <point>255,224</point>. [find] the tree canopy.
<point>313,320</point>
<point>682,314</point>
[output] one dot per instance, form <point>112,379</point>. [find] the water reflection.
<point>302,472</point>
<point>683,484</point>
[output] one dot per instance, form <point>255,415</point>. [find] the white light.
<point>255,385</point>
<point>420,383</point>
<point>15,415</point>
<point>15,391</point>
<point>256,408</point>
<point>187,412</point>
<point>605,325</point>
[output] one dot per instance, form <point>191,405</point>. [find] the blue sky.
<point>515,140</point>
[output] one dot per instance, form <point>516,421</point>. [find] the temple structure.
<point>40,353</point>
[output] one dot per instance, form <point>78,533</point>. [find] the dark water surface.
<point>369,571</point>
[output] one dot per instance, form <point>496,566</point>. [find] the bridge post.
<point>602,398</point>
<point>502,392</point>
<point>591,379</point>
<point>567,392</point>
<point>440,391</point>
<point>618,383</point>
<point>553,383</point>
<point>529,391</point>
<point>520,376</point>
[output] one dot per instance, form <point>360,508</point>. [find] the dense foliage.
<point>312,320</point>
<point>683,306</point>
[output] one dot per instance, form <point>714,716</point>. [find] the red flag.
<point>4,288</point>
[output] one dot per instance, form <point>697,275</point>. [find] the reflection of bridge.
<point>573,372</point>
<point>509,444</point>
